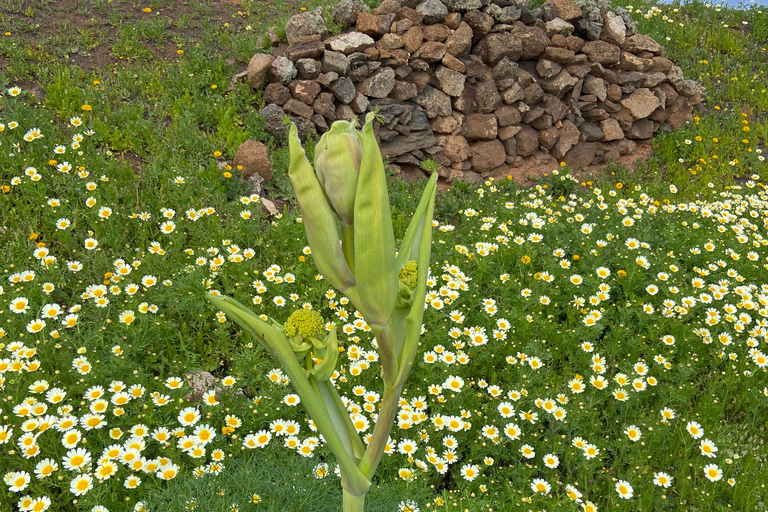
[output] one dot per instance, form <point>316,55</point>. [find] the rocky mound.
<point>478,85</point>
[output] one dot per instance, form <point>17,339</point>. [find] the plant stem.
<point>348,245</point>
<point>384,423</point>
<point>352,503</point>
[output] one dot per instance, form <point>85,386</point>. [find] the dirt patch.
<point>528,173</point>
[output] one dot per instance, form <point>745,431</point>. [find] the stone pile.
<point>478,85</point>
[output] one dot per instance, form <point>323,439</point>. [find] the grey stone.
<point>614,30</point>
<point>311,50</point>
<point>589,29</point>
<point>378,85</point>
<point>324,104</point>
<point>547,69</point>
<point>304,24</point>
<point>462,5</point>
<point>532,40</point>
<point>596,86</point>
<point>351,42</point>
<point>581,155</point>
<point>273,115</point>
<point>435,102</point>
<point>449,81</point>
<point>345,12</point>
<point>642,43</point>
<point>406,143</point>
<point>308,69</point>
<point>591,132</point>
<point>335,62</point>
<point>641,103</point>
<point>283,70</point>
<point>611,129</point>
<point>434,11</point>
<point>559,26</point>
<point>487,98</point>
<point>359,104</point>
<point>569,136</point>
<point>498,45</point>
<point>343,89</point>
<point>641,129</point>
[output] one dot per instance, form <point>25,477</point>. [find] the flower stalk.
<point>346,214</point>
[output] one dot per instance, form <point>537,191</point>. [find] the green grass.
<point>155,116</point>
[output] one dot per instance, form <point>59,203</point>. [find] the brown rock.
<point>390,42</point>
<point>304,90</point>
<point>533,40</point>
<point>455,64</point>
<point>434,101</point>
<point>449,81</point>
<point>305,51</point>
<point>460,42</point>
<point>559,55</point>
<point>258,69</point>
<point>252,156</point>
<point>611,129</point>
<point>560,84</point>
<point>345,113</point>
<point>661,64</point>
<point>378,85</point>
<point>494,47</point>
<point>480,126</point>
<point>507,132</point>
<point>513,93</point>
<point>613,92</point>
<point>466,102</point>
<point>596,86</point>
<point>641,129</point>
<point>678,112</point>
<point>430,51</point>
<point>324,104</point>
<point>642,43</point>
<point>360,103</point>
<point>641,103</point>
<point>403,91</point>
<point>487,99</point>
<point>631,62</point>
<point>547,69</point>
<point>549,137</point>
<point>453,20</point>
<point>457,148</point>
<point>419,78</point>
<point>527,140</point>
<point>444,124</point>
<point>653,79</point>
<point>412,39</point>
<point>507,115</point>
<point>276,93</point>
<point>614,30</point>
<point>387,7</point>
<point>298,108</point>
<point>581,155</point>
<point>437,32</point>
<point>605,53</point>
<point>573,43</point>
<point>569,136</point>
<point>480,23</point>
<point>375,25</point>
<point>487,155</point>
<point>566,9</point>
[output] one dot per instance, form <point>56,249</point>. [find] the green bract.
<point>346,215</point>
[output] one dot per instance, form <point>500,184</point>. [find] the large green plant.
<point>346,213</point>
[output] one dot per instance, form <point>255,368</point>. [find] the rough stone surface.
<point>374,25</point>
<point>378,85</point>
<point>527,141</point>
<point>641,129</point>
<point>642,43</point>
<point>435,102</point>
<point>566,9</point>
<point>309,23</point>
<point>611,129</point>
<point>351,42</point>
<point>614,30</point>
<point>282,70</point>
<point>304,91</point>
<point>581,155</point>
<point>308,69</point>
<point>480,126</point>
<point>273,116</point>
<point>449,81</point>
<point>276,93</point>
<point>343,89</point>
<point>434,11</point>
<point>258,69</point>
<point>480,23</point>
<point>603,52</point>
<point>345,12</point>
<point>641,103</point>
<point>253,157</point>
<point>457,148</point>
<point>495,46</point>
<point>335,62</point>
<point>487,155</point>
<point>559,26</point>
<point>532,40</point>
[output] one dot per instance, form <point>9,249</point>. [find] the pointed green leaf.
<point>320,222</point>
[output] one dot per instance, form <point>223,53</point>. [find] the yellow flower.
<point>179,51</point>
<point>619,185</point>
<point>147,9</point>
<point>227,174</point>
<point>526,259</point>
<point>217,153</point>
<point>621,273</point>
<point>214,86</point>
<point>33,236</point>
<point>86,107</point>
